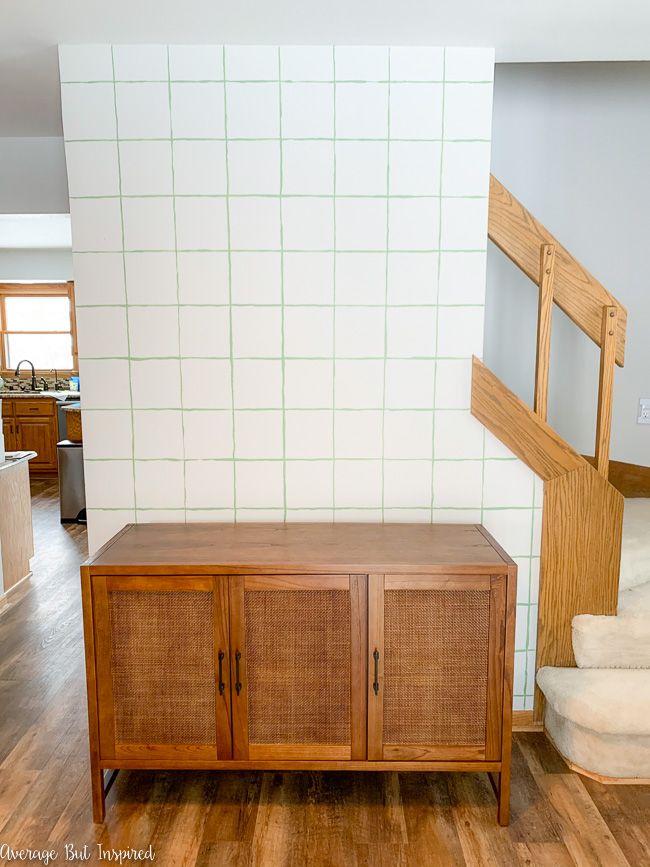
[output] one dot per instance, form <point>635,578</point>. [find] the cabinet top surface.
<point>18,458</point>
<point>218,547</point>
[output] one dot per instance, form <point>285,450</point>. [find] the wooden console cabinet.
<point>300,646</point>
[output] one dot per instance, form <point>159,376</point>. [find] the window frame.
<point>40,290</point>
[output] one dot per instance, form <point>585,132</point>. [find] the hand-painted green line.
<point>377,509</point>
<point>142,358</point>
<point>228,509</point>
<point>178,282</point>
<point>225,305</point>
<point>439,270</point>
<point>280,195</point>
<point>286,250</point>
<point>297,408</point>
<point>483,478</point>
<point>316,81</point>
<point>228,227</point>
<point>334,266</point>
<point>386,283</point>
<point>321,460</point>
<point>275,139</point>
<point>528,632</point>
<point>126,291</point>
<point>282,334</point>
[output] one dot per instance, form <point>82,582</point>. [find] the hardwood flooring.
<point>263,819</point>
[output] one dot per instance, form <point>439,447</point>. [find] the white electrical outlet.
<point>644,411</point>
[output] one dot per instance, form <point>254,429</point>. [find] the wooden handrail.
<point>519,235</point>
<point>519,427</point>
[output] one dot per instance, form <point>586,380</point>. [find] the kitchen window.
<point>37,322</point>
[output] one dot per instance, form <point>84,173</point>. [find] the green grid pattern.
<point>401,487</point>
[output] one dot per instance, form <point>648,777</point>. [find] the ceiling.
<point>521,30</point>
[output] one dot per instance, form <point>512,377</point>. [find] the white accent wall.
<point>279,256</point>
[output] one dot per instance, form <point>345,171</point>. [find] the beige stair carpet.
<point>599,719</point>
<point>616,642</point>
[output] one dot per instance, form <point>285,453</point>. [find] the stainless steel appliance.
<point>72,494</point>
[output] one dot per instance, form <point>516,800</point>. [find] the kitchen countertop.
<point>22,456</point>
<point>16,536</point>
<point>35,395</point>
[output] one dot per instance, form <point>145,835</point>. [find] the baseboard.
<point>15,592</point>
<point>632,480</point>
<point>522,721</point>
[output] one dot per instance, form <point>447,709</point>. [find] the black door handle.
<point>375,684</point>
<point>237,679</point>
<point>222,685</point>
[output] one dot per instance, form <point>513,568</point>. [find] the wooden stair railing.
<point>520,236</point>
<point>582,511</point>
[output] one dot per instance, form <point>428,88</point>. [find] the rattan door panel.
<point>436,652</point>
<point>159,643</point>
<point>298,649</point>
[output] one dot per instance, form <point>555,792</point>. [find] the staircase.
<point>593,664</point>
<point>598,714</point>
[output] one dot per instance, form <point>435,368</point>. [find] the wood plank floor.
<point>558,817</point>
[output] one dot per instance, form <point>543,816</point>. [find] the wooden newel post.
<point>606,389</point>
<point>544,317</point>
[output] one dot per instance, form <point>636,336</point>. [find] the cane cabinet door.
<point>163,678</point>
<point>436,655</point>
<point>298,666</point>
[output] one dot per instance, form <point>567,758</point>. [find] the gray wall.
<point>572,141</point>
<point>31,264</point>
<point>33,180</point>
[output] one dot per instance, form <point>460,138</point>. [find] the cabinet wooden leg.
<point>503,797</point>
<point>501,787</point>
<point>98,793</point>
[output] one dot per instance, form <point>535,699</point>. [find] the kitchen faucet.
<point>27,361</point>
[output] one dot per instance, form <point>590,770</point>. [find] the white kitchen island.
<point>16,535</point>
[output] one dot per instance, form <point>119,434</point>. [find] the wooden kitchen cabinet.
<point>36,435</point>
<point>8,425</point>
<point>300,647</point>
<point>32,426</point>
<point>9,436</point>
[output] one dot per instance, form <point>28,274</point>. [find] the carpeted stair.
<point>598,714</point>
